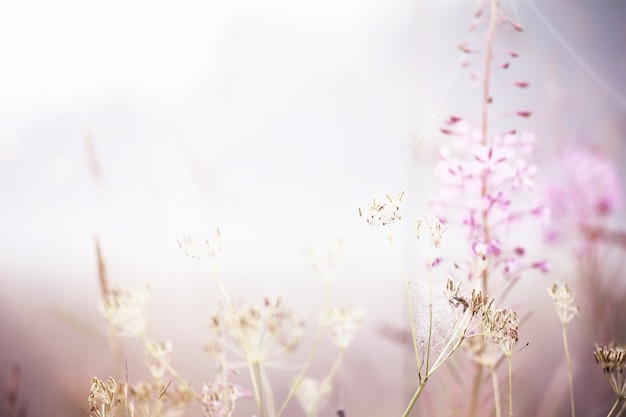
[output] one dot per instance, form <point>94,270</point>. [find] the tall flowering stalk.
<point>485,179</point>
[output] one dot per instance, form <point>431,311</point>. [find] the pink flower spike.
<point>521,84</point>
<point>519,251</point>
<point>512,54</point>
<point>505,65</point>
<point>454,119</point>
<point>543,266</point>
<point>524,113</point>
<point>446,131</point>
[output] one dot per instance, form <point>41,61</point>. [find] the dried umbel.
<point>259,331</point>
<point>220,399</point>
<point>501,329</point>
<point>205,246</point>
<point>126,311</point>
<point>564,302</point>
<point>383,213</point>
<point>146,399</point>
<point>612,360</point>
<point>103,397</point>
<point>470,309</point>
<point>342,324</point>
<point>157,354</point>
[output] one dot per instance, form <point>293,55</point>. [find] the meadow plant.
<point>485,190</point>
<point>244,335</point>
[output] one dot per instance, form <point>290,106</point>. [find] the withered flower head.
<point>612,360</point>
<point>475,307</point>
<point>564,302</point>
<point>501,329</point>
<point>383,213</point>
<point>103,397</point>
<point>157,354</point>
<point>126,310</point>
<point>202,246</point>
<point>259,331</point>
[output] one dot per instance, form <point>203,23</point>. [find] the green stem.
<point>418,391</point>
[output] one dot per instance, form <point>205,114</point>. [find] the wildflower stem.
<point>509,358</point>
<point>327,380</point>
<point>255,386</point>
<point>617,402</point>
<point>410,300</point>
<point>496,390</point>
<point>418,391</point>
<point>478,374</point>
<point>569,368</point>
<point>266,390</point>
<point>493,20</point>
<point>430,321</point>
<point>309,359</point>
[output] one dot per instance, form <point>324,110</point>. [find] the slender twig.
<point>510,357</point>
<point>496,390</point>
<point>569,368</point>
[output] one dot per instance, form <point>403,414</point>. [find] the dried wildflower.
<point>202,246</point>
<point>564,302</point>
<point>103,397</point>
<point>612,360</point>
<point>169,401</point>
<point>383,213</point>
<point>126,311</point>
<point>311,395</point>
<point>259,331</point>
<point>474,307</point>
<point>220,398</point>
<point>342,324</point>
<point>501,329</point>
<point>157,354</point>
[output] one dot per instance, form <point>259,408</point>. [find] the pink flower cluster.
<point>485,187</point>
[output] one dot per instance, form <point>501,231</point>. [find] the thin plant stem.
<point>617,402</point>
<point>257,392</point>
<point>267,390</point>
<point>569,368</point>
<point>440,361</point>
<point>326,381</point>
<point>496,390</point>
<point>430,320</point>
<point>410,300</point>
<point>621,409</point>
<point>418,391</point>
<point>309,359</point>
<point>478,374</point>
<point>510,360</point>
<point>493,20</point>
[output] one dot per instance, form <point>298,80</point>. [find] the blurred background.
<point>138,121</point>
